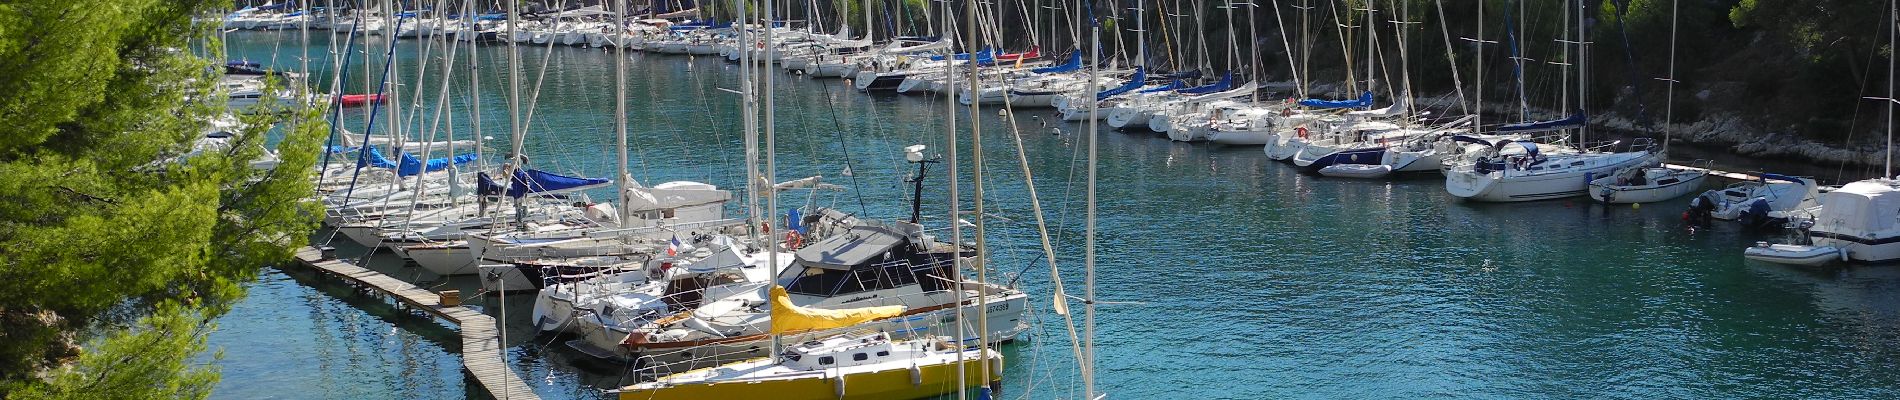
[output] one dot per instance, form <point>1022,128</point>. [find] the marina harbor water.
<point>1222,273</point>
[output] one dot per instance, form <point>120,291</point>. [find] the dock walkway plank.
<point>481,341</point>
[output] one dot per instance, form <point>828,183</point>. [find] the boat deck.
<point>481,339</point>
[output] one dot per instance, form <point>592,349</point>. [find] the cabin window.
<point>826,360</point>
<point>1666,181</point>
<point>860,357</point>
<point>883,353</point>
<point>930,277</point>
<point>894,274</point>
<point>1576,163</point>
<point>668,213</point>
<point>816,282</point>
<point>855,281</point>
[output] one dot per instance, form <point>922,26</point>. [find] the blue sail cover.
<point>1575,120</point>
<point>1141,77</point>
<point>1364,101</point>
<point>1226,82</point>
<point>535,181</point>
<point>700,25</point>
<point>491,17</point>
<point>1074,64</point>
<point>1172,85</point>
<point>980,56</point>
<point>410,164</point>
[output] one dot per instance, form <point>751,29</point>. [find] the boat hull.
<point>1608,192</point>
<point>443,259</point>
<point>1789,254</point>
<point>1241,138</point>
<point>1005,320</point>
<point>926,381</point>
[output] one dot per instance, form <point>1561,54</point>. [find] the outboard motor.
<point>1756,215</point>
<point>1701,209</point>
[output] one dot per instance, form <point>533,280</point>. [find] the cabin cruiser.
<point>1860,222</point>
<point>1764,202</point>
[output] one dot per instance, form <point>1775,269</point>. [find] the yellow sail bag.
<point>790,318</point>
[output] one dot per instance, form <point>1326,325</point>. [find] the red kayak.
<point>355,100</point>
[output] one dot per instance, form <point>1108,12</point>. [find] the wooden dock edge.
<point>481,338</point>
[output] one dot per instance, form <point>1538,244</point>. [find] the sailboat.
<point>1658,183</point>
<point>1516,169</point>
<point>856,365</point>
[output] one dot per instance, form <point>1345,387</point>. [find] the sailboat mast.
<point>1583,74</point>
<point>1669,98</point>
<point>1299,79</point>
<point>1564,86</point>
<point>1478,80</point>
<point>1088,252</point>
<point>769,181</point>
<point>1893,36</point>
<point>1141,38</point>
<point>620,109</point>
<point>956,200</point>
<point>514,105</point>
<point>1372,45</point>
<point>976,175</point>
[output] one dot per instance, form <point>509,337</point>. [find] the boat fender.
<point>838,385</point>
<point>1843,253</point>
<point>1302,131</point>
<point>916,376</point>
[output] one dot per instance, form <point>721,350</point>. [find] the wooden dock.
<point>481,338</point>
<point>1732,176</point>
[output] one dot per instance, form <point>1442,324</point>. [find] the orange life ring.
<point>761,45</point>
<point>1302,131</point>
<point>794,240</point>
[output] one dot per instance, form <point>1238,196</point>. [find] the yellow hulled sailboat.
<point>865,365</point>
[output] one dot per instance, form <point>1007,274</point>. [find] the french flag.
<point>673,246</point>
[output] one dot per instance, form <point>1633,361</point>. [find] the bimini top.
<point>1364,101</point>
<point>1575,120</point>
<point>1530,149</point>
<point>860,246</point>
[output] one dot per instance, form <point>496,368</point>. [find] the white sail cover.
<point>582,12</point>
<point>1241,91</point>
<point>1395,109</point>
<point>897,47</point>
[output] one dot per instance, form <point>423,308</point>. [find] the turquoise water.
<point>1241,278</point>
